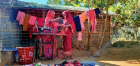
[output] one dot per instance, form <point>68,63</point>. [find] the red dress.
<point>67,43</point>
<point>67,39</point>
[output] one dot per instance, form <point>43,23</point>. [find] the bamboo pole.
<point>99,37</point>
<point>101,26</point>
<point>104,25</point>
<point>89,36</point>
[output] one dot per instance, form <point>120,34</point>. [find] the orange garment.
<point>84,17</point>
<point>25,24</point>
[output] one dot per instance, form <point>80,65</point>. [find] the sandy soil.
<point>110,56</point>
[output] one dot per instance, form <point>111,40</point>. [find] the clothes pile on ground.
<point>65,63</point>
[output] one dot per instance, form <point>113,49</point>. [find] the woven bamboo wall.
<point>94,36</point>
<point>17,37</point>
<point>11,34</point>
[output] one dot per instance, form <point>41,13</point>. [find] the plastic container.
<point>25,55</point>
<point>8,56</point>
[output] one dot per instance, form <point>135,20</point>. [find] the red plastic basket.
<point>26,54</point>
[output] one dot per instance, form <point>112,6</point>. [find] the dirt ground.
<point>129,55</point>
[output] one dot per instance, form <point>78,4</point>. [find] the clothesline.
<point>29,21</point>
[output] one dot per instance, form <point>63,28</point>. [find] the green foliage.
<point>55,2</point>
<point>134,43</point>
<point>129,11</point>
<point>118,44</point>
<point>77,3</point>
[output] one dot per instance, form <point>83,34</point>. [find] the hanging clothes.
<point>35,27</point>
<point>32,20</point>
<point>87,14</point>
<point>67,39</point>
<point>93,20</point>
<point>80,35</point>
<point>40,22</point>
<point>20,17</point>
<point>82,27</point>
<point>81,22</point>
<point>97,11</point>
<point>25,24</point>
<point>83,17</point>
<point>30,30</point>
<point>13,15</point>
<point>76,19</point>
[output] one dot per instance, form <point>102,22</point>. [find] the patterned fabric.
<point>48,42</point>
<point>47,50</point>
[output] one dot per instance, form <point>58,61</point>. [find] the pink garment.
<point>82,26</point>
<point>87,14</point>
<point>32,20</point>
<point>40,22</point>
<point>93,20</point>
<point>20,17</point>
<point>80,35</point>
<point>81,21</point>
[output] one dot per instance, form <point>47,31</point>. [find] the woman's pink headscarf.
<point>69,19</point>
<point>50,16</point>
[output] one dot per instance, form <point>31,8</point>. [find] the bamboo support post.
<point>89,27</point>
<point>104,26</point>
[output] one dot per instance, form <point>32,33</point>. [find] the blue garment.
<point>13,15</point>
<point>76,19</point>
<point>97,11</point>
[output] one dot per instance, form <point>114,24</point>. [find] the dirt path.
<point>110,56</point>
